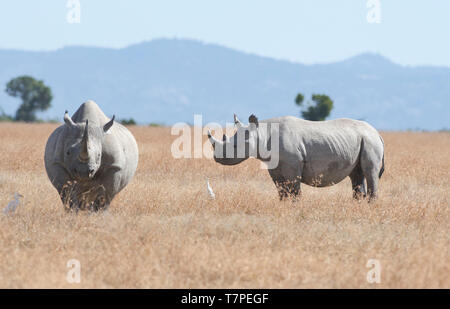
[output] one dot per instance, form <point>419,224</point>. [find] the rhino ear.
<point>237,122</point>
<point>253,119</point>
<point>109,124</point>
<point>68,120</point>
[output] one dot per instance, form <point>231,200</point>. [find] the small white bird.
<point>11,207</point>
<point>209,189</point>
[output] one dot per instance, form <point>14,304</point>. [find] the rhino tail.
<point>382,161</point>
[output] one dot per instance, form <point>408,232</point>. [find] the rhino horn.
<point>212,139</point>
<point>84,154</point>
<point>109,124</point>
<point>68,120</point>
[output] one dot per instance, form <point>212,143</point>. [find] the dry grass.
<point>162,231</point>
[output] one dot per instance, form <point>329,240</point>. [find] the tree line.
<point>36,96</point>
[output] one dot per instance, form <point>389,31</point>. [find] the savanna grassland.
<point>163,231</point>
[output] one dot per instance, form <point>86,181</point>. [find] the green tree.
<point>128,122</point>
<point>299,99</point>
<point>317,110</point>
<point>35,96</point>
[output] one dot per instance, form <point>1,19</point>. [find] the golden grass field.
<point>162,230</point>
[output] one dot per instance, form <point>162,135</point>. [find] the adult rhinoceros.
<point>90,158</point>
<point>317,153</point>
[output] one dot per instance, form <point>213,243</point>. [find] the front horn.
<point>84,154</point>
<point>212,139</point>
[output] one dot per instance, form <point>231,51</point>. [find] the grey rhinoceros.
<point>90,158</point>
<point>317,153</point>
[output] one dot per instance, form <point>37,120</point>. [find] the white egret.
<point>11,207</point>
<point>209,189</point>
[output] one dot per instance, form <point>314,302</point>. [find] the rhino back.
<point>89,110</point>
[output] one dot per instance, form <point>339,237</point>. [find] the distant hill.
<point>169,80</point>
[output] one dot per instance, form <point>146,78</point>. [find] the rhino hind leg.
<point>371,173</point>
<point>358,186</point>
<point>372,184</point>
<point>371,162</point>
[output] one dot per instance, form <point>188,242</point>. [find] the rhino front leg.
<point>279,181</point>
<point>111,184</point>
<point>65,185</point>
<point>292,189</point>
<point>293,178</point>
<point>287,179</point>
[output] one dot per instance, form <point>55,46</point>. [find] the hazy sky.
<point>413,32</point>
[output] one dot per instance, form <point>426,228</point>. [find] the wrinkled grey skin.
<point>92,150</point>
<point>316,153</point>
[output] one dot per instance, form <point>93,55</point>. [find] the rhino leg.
<point>278,180</point>
<point>371,172</point>
<point>64,185</point>
<point>292,189</point>
<point>371,161</point>
<point>288,181</point>
<point>372,184</point>
<point>112,184</point>
<point>357,177</point>
<point>100,203</point>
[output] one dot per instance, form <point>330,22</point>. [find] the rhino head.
<point>242,145</point>
<point>83,147</point>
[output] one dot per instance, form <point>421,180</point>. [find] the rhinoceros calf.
<point>90,158</point>
<point>317,153</point>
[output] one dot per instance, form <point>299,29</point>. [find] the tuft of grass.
<point>163,230</point>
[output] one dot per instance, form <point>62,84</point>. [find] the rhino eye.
<point>68,152</point>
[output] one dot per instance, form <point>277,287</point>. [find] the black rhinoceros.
<point>317,153</point>
<point>90,158</point>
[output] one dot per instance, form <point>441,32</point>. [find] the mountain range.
<point>169,80</point>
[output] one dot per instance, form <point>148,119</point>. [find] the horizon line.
<point>198,41</point>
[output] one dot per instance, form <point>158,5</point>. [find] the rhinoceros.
<point>316,153</point>
<point>90,158</point>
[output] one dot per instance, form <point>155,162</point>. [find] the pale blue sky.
<point>412,32</point>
